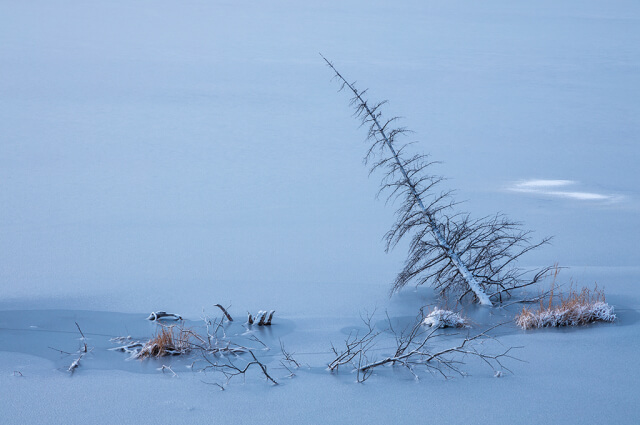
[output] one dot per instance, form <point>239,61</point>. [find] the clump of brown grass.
<point>575,309</point>
<point>169,341</point>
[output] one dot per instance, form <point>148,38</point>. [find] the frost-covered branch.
<point>228,367</point>
<point>355,345</point>
<point>414,349</point>
<point>83,350</point>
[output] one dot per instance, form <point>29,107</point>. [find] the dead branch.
<point>84,340</point>
<point>83,350</point>
<point>256,339</point>
<point>225,312</point>
<point>213,383</point>
<point>413,350</point>
<point>354,346</point>
<point>288,357</point>
<point>230,369</point>
<point>291,373</point>
<point>61,352</point>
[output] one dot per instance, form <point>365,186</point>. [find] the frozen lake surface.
<point>160,156</point>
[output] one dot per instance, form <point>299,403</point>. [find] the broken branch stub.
<point>225,312</point>
<point>262,318</point>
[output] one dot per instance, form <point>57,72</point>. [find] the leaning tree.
<point>448,249</point>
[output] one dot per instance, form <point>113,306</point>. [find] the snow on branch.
<point>82,351</point>
<point>262,318</point>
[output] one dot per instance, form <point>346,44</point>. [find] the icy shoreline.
<point>582,365</point>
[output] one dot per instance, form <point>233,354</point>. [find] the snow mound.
<point>445,319</point>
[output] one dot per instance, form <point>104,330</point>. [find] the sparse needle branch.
<point>448,250</point>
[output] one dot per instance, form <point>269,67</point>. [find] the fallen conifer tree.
<point>449,250</point>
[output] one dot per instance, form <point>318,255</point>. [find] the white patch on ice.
<point>550,188</point>
<point>444,319</point>
<point>537,183</point>
<point>584,196</point>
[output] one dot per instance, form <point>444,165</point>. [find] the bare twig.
<point>288,357</point>
<point>354,346</point>
<point>61,352</point>
<point>256,339</point>
<point>84,340</point>
<point>291,373</point>
<point>165,367</point>
<point>230,369</point>
<point>213,383</point>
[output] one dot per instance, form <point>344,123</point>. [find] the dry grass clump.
<point>577,308</point>
<point>169,341</point>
